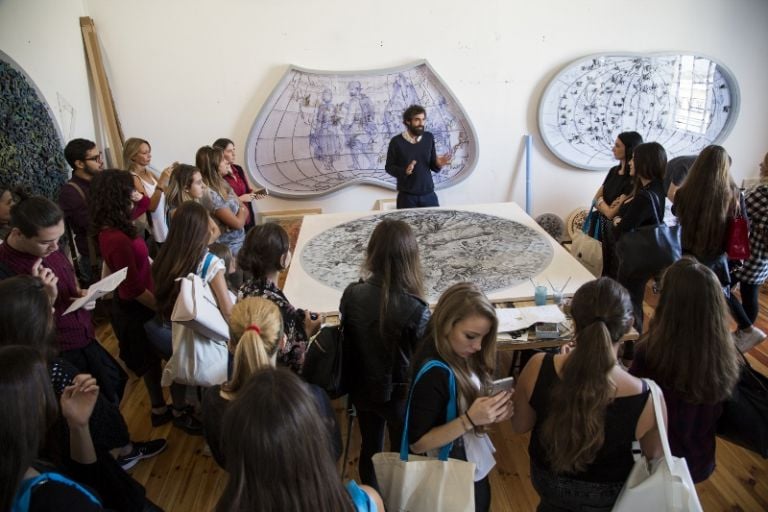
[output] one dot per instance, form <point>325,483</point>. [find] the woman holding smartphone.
<point>462,335</point>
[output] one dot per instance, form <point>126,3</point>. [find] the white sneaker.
<point>748,338</point>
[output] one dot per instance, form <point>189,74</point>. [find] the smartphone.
<point>260,192</point>
<point>497,386</point>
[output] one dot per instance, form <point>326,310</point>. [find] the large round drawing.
<point>321,131</point>
<point>685,102</point>
<point>455,245</point>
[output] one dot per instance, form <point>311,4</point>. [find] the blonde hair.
<point>177,192</point>
<point>458,302</point>
<point>130,150</point>
<point>256,328</point>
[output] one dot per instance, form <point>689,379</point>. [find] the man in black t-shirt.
<point>410,158</point>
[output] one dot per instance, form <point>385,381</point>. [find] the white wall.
<point>185,72</point>
<point>43,37</point>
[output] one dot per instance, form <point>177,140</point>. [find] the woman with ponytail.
<point>256,335</point>
<point>585,409</point>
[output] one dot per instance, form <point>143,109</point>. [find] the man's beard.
<point>416,130</point>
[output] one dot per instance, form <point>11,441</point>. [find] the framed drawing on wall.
<point>682,101</point>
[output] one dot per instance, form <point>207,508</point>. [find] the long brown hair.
<point>181,253</point>
<point>574,430</point>
<point>706,200</point>
<point>393,256</point>
<point>256,328</point>
<point>29,407</point>
<point>455,304</point>
<point>691,324</point>
<point>276,450</point>
<point>207,159</point>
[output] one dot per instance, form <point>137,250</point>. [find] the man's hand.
<point>48,278</point>
<point>409,169</point>
<point>444,160</point>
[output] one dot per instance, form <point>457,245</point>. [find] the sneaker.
<point>748,338</point>
<point>188,423</point>
<point>141,451</point>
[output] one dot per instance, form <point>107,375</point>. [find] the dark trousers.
<point>373,417</point>
<point>406,200</point>
<point>95,360</point>
<point>745,312</point>
<point>160,336</point>
<point>128,318</point>
<point>483,495</point>
<point>562,494</point>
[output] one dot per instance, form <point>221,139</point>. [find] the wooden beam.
<point>104,97</point>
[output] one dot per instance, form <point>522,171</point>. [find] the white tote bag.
<point>588,251</point>
<point>663,485</point>
<point>424,484</point>
<point>196,306</point>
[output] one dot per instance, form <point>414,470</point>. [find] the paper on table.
<point>100,289</point>
<point>513,319</point>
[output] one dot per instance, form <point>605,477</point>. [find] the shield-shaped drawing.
<point>320,131</point>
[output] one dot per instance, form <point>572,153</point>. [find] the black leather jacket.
<point>378,353</point>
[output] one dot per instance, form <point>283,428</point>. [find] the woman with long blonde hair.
<point>461,334</point>
<point>585,409</point>
<point>705,203</point>
<point>256,335</point>
<point>137,155</point>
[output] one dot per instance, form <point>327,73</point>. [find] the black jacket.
<point>378,353</point>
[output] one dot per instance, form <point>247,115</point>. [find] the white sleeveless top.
<point>159,224</point>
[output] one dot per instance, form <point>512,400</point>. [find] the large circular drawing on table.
<point>493,252</point>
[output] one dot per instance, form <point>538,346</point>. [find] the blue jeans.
<point>560,494</point>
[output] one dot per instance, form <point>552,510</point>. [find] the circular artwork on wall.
<point>455,245</point>
<point>31,154</point>
<point>321,131</point>
<point>685,102</point>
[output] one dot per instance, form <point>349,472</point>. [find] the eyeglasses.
<point>96,158</point>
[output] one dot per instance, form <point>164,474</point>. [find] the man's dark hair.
<point>76,150</point>
<point>35,213</point>
<point>412,112</point>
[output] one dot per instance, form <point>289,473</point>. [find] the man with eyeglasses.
<point>86,161</point>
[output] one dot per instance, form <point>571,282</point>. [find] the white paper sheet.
<point>100,289</point>
<point>513,319</point>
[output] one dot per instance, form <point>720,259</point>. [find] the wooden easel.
<point>106,103</point>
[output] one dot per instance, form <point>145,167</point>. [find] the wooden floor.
<point>184,479</point>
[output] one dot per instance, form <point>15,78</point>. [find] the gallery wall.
<point>185,72</point>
